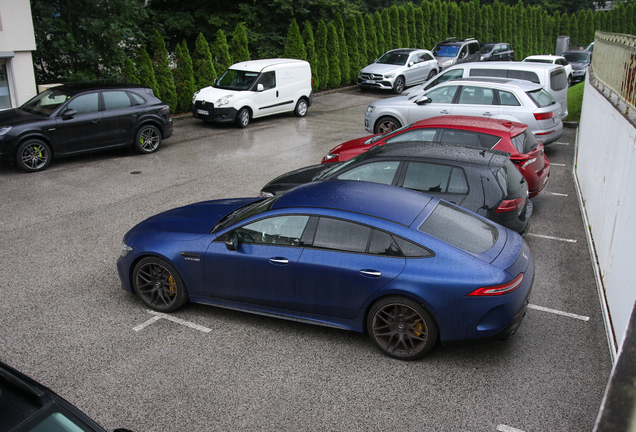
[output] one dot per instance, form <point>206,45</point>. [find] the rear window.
<point>525,142</point>
<point>558,80</point>
<point>498,73</point>
<point>510,178</point>
<point>524,75</point>
<point>460,228</point>
<point>541,98</point>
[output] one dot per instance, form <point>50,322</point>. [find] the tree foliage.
<point>85,39</point>
<point>161,66</point>
<point>203,66</point>
<point>184,78</point>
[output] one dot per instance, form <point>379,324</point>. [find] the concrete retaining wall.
<point>606,172</point>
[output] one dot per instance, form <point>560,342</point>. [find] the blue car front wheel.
<point>159,285</point>
<point>401,328</point>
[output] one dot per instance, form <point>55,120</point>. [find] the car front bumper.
<point>207,112</point>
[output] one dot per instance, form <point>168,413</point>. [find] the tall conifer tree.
<point>312,54</point>
<point>334,56</point>
<point>324,80</point>
<point>238,47</point>
<point>161,65</point>
<point>295,48</point>
<point>203,67</point>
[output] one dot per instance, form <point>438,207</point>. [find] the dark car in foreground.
<point>505,135</point>
<point>82,117</point>
<point>481,180</point>
<point>28,406</point>
<point>405,267</point>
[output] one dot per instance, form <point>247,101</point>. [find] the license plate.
<point>203,112</point>
<point>369,81</point>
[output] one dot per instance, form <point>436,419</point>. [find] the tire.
<point>159,285</point>
<point>431,74</point>
<point>243,118</point>
<point>33,155</point>
<point>570,80</point>
<point>147,139</point>
<point>398,87</point>
<point>386,124</point>
<point>401,328</point>
<point>301,108</point>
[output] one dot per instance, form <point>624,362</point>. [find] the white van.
<point>256,88</point>
<point>552,77</point>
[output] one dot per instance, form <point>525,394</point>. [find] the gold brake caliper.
<point>172,283</point>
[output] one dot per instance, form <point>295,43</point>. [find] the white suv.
<point>398,69</point>
<point>500,98</point>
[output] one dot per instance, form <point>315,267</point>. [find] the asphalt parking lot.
<point>65,320</point>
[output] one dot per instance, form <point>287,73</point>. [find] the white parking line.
<point>552,238</point>
<point>558,194</point>
<point>504,428</point>
<point>160,315</point>
<point>558,312</point>
<point>556,164</point>
<point>560,143</point>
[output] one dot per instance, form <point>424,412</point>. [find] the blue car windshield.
<point>446,50</point>
<point>244,212</point>
<point>236,80</point>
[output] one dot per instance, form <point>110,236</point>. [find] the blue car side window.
<point>279,230</point>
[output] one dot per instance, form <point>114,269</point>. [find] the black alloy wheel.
<point>401,328</point>
<point>147,139</point>
<point>33,155</point>
<point>159,285</point>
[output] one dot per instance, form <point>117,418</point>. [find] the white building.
<point>17,41</point>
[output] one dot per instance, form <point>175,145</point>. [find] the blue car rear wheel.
<point>401,328</point>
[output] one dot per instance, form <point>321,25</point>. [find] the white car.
<point>552,59</point>
<point>500,98</point>
<point>253,89</point>
<point>398,69</point>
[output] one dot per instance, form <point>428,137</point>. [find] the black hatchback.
<point>481,180</point>
<point>82,117</point>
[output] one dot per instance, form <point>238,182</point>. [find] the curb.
<point>571,124</point>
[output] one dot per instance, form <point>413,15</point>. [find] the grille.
<point>204,105</point>
<point>369,76</point>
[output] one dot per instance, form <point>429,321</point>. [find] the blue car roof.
<point>386,202</point>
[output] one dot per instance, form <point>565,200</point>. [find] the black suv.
<point>481,180</point>
<point>452,51</point>
<point>77,118</point>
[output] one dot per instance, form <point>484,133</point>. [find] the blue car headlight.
<point>125,249</point>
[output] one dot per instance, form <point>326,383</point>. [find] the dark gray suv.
<point>452,51</point>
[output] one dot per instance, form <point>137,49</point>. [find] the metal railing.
<point>614,65</point>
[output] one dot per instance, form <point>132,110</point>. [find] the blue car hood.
<point>196,218</point>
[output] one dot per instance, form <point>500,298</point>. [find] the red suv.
<point>512,137</point>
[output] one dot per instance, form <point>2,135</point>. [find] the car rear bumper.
<point>547,136</point>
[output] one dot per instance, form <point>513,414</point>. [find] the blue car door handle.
<point>371,273</point>
<point>279,261</point>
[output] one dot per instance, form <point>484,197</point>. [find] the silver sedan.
<point>516,100</point>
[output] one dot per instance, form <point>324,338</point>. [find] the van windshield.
<point>236,80</point>
<point>446,50</point>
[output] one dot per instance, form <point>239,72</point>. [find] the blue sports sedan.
<point>406,267</point>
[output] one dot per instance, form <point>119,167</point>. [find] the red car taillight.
<point>543,116</point>
<point>509,205</point>
<point>523,161</point>
<point>497,290</point>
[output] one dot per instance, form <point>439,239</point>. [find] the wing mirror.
<point>423,100</point>
<point>69,113</point>
<point>411,64</point>
<point>231,241</point>
<point>259,87</point>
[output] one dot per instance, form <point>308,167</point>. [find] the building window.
<point>5,97</point>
